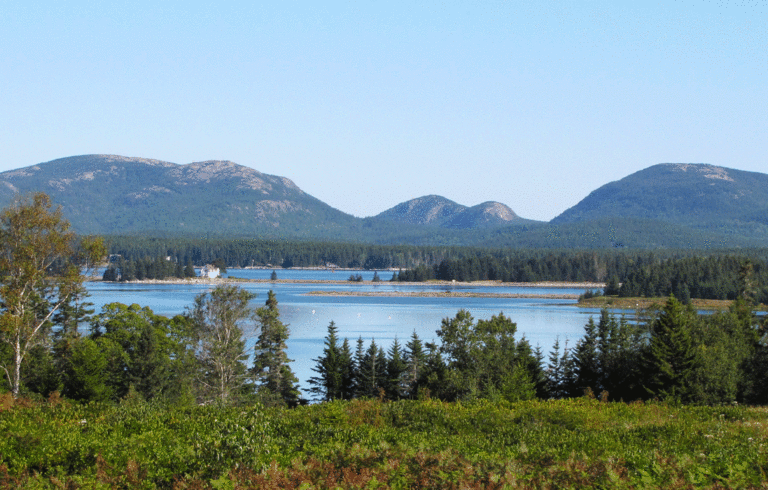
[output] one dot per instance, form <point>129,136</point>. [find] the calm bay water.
<point>378,318</point>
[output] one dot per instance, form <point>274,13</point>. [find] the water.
<point>382,319</point>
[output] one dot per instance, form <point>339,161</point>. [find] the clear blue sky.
<point>533,104</point>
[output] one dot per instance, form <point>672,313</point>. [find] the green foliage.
<point>150,353</point>
<point>482,360</point>
<point>270,367</point>
<point>88,377</point>
<point>334,368</point>
<point>145,268</point>
<point>671,358</point>
<point>41,267</point>
<point>217,317</point>
<point>366,443</point>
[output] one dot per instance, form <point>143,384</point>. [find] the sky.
<point>366,105</point>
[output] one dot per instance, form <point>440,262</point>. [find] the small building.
<point>209,271</point>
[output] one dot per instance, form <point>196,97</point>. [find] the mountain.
<point>664,206</point>
<point>107,194</point>
<point>487,214</point>
<point>426,210</point>
<point>441,212</point>
<point>699,196</point>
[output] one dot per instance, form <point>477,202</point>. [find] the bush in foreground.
<point>405,444</point>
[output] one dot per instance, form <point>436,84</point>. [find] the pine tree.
<point>189,270</point>
<point>270,366</point>
<point>329,384</point>
<point>371,371</point>
<point>347,371</point>
<point>357,374</point>
<point>555,378</point>
<point>414,360</point>
<point>671,357</point>
<point>396,368</point>
<point>585,360</point>
<point>76,310</point>
<point>612,288</point>
<point>607,350</point>
<point>381,372</point>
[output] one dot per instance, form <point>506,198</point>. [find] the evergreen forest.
<point>126,398</point>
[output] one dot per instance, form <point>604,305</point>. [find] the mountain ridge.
<point>701,196</point>
<point>665,205</point>
<point>434,210</point>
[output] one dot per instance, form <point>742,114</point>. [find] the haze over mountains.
<point>666,205</point>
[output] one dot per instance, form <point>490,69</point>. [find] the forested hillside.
<point>107,194</point>
<point>664,206</point>
<point>705,197</point>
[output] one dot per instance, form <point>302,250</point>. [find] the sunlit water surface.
<point>382,319</point>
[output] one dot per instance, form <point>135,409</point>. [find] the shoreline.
<point>439,294</point>
<point>482,284</point>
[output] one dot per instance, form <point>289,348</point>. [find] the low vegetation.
<point>372,444</point>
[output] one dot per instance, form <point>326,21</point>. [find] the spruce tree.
<point>396,368</point>
<point>357,374</point>
<point>270,366</point>
<point>189,270</point>
<point>414,360</point>
<point>347,371</point>
<point>371,371</point>
<point>555,366</point>
<point>329,384</point>
<point>671,357</point>
<point>585,360</point>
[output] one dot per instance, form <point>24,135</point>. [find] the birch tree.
<point>41,268</point>
<point>218,316</point>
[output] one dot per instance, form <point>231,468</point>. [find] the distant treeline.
<point>627,274</point>
<point>685,273</point>
<point>717,277</point>
<point>146,268</point>
<point>280,253</point>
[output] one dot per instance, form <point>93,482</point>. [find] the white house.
<point>209,271</point>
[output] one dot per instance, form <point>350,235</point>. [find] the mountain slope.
<point>669,205</point>
<point>438,211</point>
<point>115,194</point>
<point>483,215</point>
<point>700,196</point>
<point>425,210</point>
